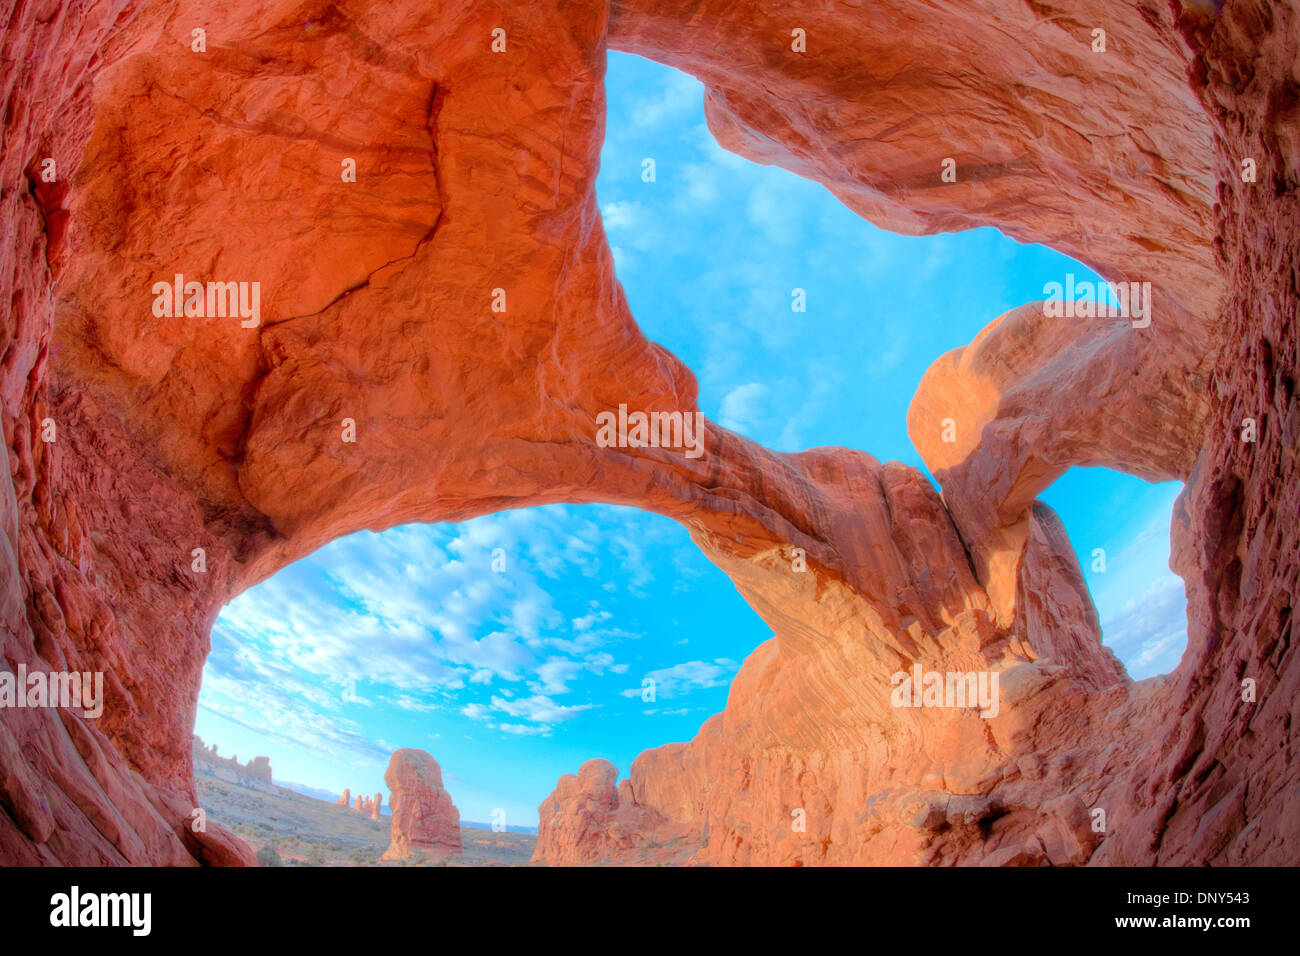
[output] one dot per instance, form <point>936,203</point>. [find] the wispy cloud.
<point>681,679</point>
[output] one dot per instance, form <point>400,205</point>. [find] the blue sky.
<point>513,677</point>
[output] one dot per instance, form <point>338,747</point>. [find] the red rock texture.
<point>78,576</point>
<point>1225,786</point>
<point>425,821</point>
<point>475,172</point>
<point>346,799</point>
<point>1001,419</point>
<point>1013,92</point>
<point>590,817</point>
<point>376,805</point>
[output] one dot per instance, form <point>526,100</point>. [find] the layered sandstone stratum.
<point>136,439</point>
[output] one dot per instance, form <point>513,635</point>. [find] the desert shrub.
<point>267,856</point>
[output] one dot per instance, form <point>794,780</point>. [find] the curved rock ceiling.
<point>474,188</point>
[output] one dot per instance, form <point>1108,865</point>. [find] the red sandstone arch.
<point>476,173</point>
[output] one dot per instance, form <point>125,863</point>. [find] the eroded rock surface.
<point>425,821</point>
<point>882,93</point>
<point>591,817</point>
<point>475,173</point>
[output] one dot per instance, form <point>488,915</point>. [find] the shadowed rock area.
<point>134,438</point>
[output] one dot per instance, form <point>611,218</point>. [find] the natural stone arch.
<point>259,481</point>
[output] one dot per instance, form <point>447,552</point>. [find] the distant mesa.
<point>425,821</point>
<point>255,774</point>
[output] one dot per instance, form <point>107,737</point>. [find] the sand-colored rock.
<point>176,434</point>
<point>346,799</point>
<point>588,818</point>
<point>999,420</point>
<point>376,806</point>
<point>425,821</point>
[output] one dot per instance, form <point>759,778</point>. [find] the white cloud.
<point>526,729</point>
<point>587,621</point>
<point>622,215</point>
<point>702,183</point>
<point>772,209</point>
<point>555,675</point>
<point>680,96</point>
<point>1150,632</point>
<point>742,407</point>
<point>539,709</point>
<point>1143,604</point>
<point>285,719</point>
<point>411,704</point>
<point>682,679</point>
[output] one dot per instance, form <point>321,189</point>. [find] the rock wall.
<point>84,587</point>
<point>1225,789</point>
<point>190,458</point>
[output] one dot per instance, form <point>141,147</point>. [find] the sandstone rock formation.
<point>885,91</point>
<point>346,799</point>
<point>1014,398</point>
<point>376,806</point>
<point>425,821</point>
<point>587,817</point>
<point>256,774</point>
<point>159,466</point>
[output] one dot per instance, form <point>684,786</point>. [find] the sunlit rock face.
<point>591,817</point>
<point>1001,419</point>
<point>457,305</point>
<point>425,820</point>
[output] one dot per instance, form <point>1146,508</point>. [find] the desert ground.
<point>302,831</point>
